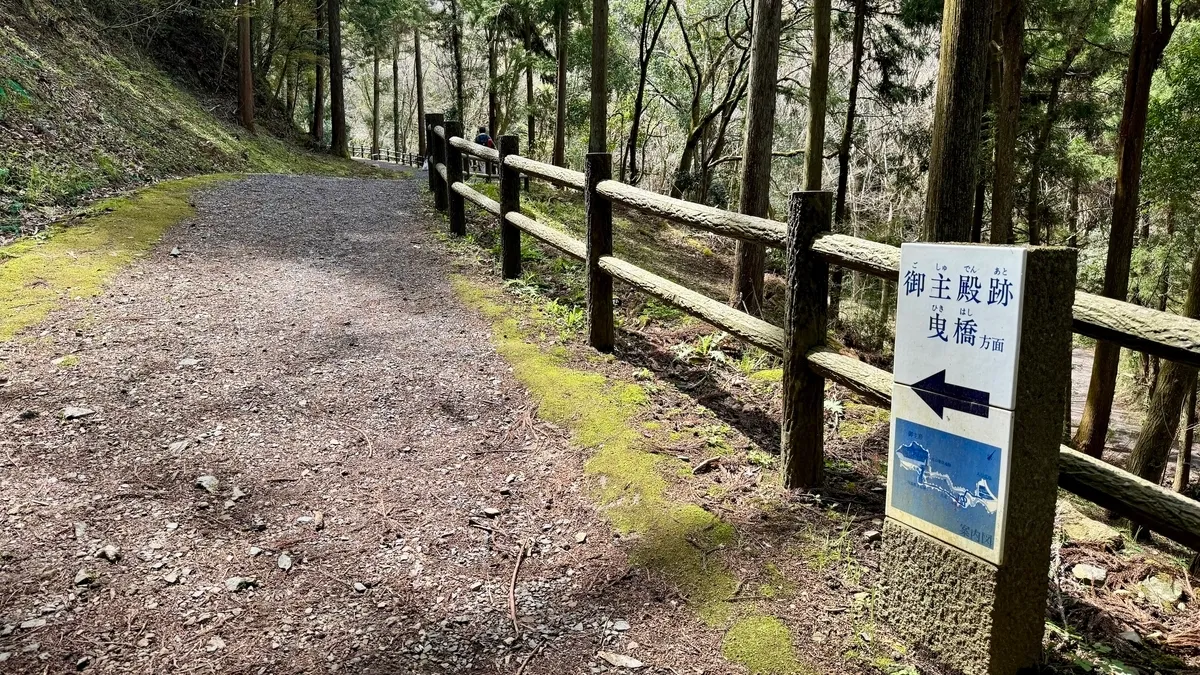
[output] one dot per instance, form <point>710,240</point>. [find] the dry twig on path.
<point>528,659</point>
<point>512,591</point>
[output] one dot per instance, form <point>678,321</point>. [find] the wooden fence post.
<point>435,179</point>
<point>437,144</point>
<point>599,244</point>
<point>802,443</point>
<point>458,213</point>
<point>510,201</point>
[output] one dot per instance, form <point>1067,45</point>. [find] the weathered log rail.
<point>1165,335</point>
<point>387,155</point>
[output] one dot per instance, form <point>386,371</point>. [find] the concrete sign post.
<point>983,353</point>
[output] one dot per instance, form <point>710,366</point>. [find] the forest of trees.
<point>1048,122</point>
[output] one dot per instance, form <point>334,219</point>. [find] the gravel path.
<point>306,351</point>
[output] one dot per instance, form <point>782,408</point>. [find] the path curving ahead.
<point>306,350</point>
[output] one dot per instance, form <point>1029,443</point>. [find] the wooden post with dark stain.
<point>510,200</point>
<point>435,179</point>
<point>802,442</point>
<point>454,174</point>
<point>599,244</point>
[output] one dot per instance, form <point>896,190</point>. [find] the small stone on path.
<point>33,623</point>
<point>872,536</point>
<point>171,577</point>
<point>1162,589</point>
<point>110,553</point>
<point>491,512</point>
<point>1092,574</point>
<point>209,484</point>
<point>84,577</point>
<point>187,363</point>
<point>620,660</point>
<point>235,584</point>
<point>74,412</point>
<point>581,537</point>
<point>284,562</point>
<point>359,587</point>
<point>620,624</point>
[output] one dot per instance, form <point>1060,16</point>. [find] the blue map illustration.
<point>946,480</point>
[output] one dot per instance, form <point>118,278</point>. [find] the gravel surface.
<point>291,450</point>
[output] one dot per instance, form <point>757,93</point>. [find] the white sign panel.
<point>948,471</point>
<point>958,322</point>
<point>958,317</point>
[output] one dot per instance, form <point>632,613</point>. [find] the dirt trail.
<point>306,350</point>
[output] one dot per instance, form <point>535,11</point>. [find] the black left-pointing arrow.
<point>940,395</point>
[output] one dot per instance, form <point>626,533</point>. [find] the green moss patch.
<point>38,275</point>
<point>676,539</point>
<point>764,645</point>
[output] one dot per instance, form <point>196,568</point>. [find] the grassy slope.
<point>81,117</point>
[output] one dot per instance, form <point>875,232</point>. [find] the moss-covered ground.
<point>676,539</point>
<point>39,273</point>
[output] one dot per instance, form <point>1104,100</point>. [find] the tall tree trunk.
<point>647,40</point>
<point>954,158</point>
<point>818,95</point>
<point>1175,380</point>
<point>530,126</point>
<point>456,49</point>
<point>755,199</point>
<point>843,185</point>
<point>245,68</point>
<point>317,129</point>
<point>558,157</point>
<point>1034,207</point>
<point>493,37</point>
<point>1161,292</point>
<point>268,55</point>
<point>419,74</point>
<point>1011,25</point>
<point>396,93</point>
<point>598,133</point>
<point>1152,32</point>
<point>339,139</point>
<point>375,108</point>
<point>1183,465</point>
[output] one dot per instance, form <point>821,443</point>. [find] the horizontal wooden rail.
<point>1170,336</point>
<point>440,131</point>
<point>481,151</point>
<point>549,235</point>
<point>477,198</point>
<point>753,330</point>
<point>554,174</point>
<point>1148,504</point>
<point>441,169</point>
<point>727,223</point>
<point>861,255</point>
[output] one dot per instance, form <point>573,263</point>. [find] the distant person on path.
<point>484,139</point>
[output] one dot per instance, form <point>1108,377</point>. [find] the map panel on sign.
<point>948,472</point>
<point>959,311</point>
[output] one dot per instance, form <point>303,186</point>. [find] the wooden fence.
<point>386,155</point>
<point>801,342</point>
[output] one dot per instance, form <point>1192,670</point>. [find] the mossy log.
<point>478,199</point>
<point>557,175</point>
<point>556,238</point>
<point>474,149</point>
<point>755,331</point>
<point>727,223</point>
